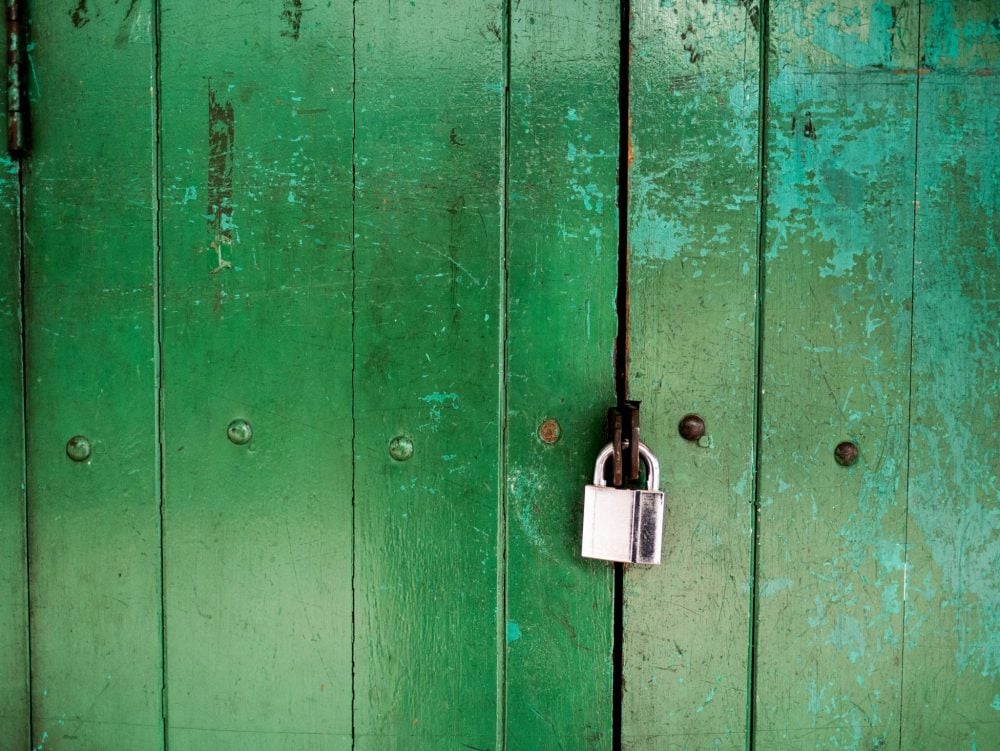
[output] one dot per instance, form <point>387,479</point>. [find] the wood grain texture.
<point>14,712</point>
<point>427,308</point>
<point>91,345</point>
<point>693,236</point>
<point>836,344</point>
<point>951,662</point>
<point>256,288</point>
<point>562,324</point>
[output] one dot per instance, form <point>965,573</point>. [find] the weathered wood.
<point>951,662</point>
<point>90,368</point>
<point>693,237</point>
<point>836,344</point>
<point>256,289</point>
<point>14,716</point>
<point>562,234</point>
<point>428,323</point>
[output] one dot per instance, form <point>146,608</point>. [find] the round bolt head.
<point>240,432</point>
<point>549,431</point>
<point>691,427</point>
<point>401,448</point>
<point>846,453</point>
<point>78,448</point>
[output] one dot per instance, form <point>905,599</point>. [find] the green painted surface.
<point>91,347</point>
<point>951,661</point>
<point>13,582</point>
<point>836,317</point>
<point>256,293</point>
<point>693,235</point>
<point>561,317</point>
<point>364,238</point>
<point>427,305</point>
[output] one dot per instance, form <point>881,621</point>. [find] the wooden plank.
<point>562,234</point>
<point>836,345</point>
<point>693,237</point>
<point>90,367</point>
<point>14,711</point>
<point>428,323</point>
<point>256,180</point>
<point>951,662</point>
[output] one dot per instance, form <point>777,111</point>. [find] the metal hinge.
<point>17,100</point>
<point>623,434</point>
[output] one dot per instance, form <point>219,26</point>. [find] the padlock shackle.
<point>652,466</point>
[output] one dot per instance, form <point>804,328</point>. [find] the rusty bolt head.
<point>846,453</point>
<point>78,448</point>
<point>691,427</point>
<point>549,431</point>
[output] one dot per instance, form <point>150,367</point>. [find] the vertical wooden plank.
<point>951,665</point>
<point>428,318</point>
<point>562,234</point>
<point>693,237</point>
<point>89,313</point>
<point>256,181</point>
<point>836,318</point>
<point>14,717</point>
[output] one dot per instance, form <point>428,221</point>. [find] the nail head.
<point>78,448</point>
<point>846,453</point>
<point>401,448</point>
<point>549,431</point>
<point>691,427</point>
<point>240,432</point>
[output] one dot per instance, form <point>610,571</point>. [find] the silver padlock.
<point>623,525</point>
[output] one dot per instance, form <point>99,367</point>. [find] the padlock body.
<point>622,525</point>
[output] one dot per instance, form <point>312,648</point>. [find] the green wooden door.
<point>309,319</point>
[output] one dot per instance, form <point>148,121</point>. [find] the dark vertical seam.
<point>504,396</point>
<point>354,362</point>
<point>158,349</point>
<point>621,345</point>
<point>624,151</point>
<point>764,40</point>
<point>909,385</point>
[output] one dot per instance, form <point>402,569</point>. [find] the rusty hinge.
<point>17,101</point>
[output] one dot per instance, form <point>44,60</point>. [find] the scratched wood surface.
<point>837,258</point>
<point>334,267</point>
<point>693,236</point>
<point>14,712</point>
<point>90,366</point>
<point>256,286</point>
<point>428,320</point>
<point>563,264</point>
<point>951,660</point>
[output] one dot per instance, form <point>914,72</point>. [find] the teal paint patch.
<point>955,353</point>
<point>771,587</point>
<point>513,631</point>
<point>439,397</point>
<point>524,487</point>
<point>844,32</point>
<point>941,40</point>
